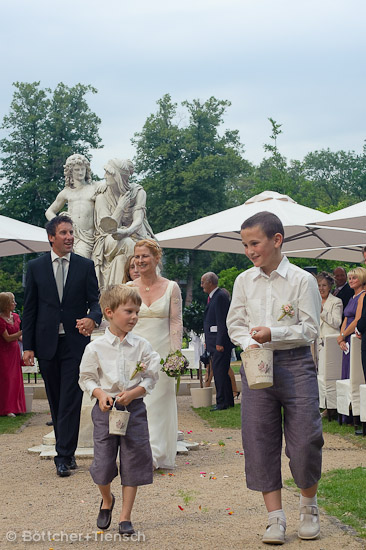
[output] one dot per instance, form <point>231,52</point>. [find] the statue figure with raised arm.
<point>79,194</point>
<point>120,220</point>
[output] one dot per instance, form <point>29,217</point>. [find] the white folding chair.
<point>348,391</point>
<point>330,369</point>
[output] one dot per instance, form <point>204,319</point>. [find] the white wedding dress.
<point>161,325</point>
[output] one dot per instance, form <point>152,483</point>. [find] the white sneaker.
<point>11,415</point>
<point>275,532</point>
<point>309,527</point>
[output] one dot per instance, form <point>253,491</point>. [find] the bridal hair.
<point>153,246</point>
<point>327,276</point>
<point>360,273</point>
<point>118,295</point>
<point>72,161</point>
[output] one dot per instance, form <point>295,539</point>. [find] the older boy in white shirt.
<point>277,305</point>
<point>108,372</point>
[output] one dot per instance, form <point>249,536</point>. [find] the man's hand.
<point>220,348</point>
<point>28,358</point>
<point>85,326</point>
<point>261,334</point>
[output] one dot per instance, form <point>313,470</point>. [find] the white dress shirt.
<point>108,363</point>
<point>54,257</point>
<point>258,299</point>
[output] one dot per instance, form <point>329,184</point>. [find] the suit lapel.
<point>51,276</point>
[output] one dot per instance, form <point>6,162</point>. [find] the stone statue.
<point>79,194</point>
<point>120,220</point>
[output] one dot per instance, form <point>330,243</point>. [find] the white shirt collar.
<point>281,269</point>
<point>213,292</point>
<point>115,340</point>
<point>54,256</point>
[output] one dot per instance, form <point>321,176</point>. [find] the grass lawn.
<point>12,425</point>
<point>341,494</point>
<point>228,418</point>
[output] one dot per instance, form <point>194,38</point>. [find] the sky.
<point>300,62</point>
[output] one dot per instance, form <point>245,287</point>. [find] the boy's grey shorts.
<point>136,466</point>
<point>295,389</point>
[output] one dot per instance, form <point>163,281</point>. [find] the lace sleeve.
<point>175,319</point>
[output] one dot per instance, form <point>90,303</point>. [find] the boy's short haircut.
<point>116,295</point>
<point>269,223</point>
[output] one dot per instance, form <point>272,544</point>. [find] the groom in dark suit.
<point>217,341</point>
<point>61,309</point>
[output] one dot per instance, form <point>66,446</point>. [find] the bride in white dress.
<point>160,322</point>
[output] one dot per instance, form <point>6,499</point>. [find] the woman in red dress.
<point>12,399</point>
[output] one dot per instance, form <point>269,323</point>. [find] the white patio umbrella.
<point>352,217</point>
<point>221,232</point>
<point>21,238</point>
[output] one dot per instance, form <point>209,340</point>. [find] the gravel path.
<point>221,514</point>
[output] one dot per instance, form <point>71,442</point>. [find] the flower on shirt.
<point>140,367</point>
<point>287,309</point>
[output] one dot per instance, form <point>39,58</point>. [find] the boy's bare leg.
<point>273,500</point>
<point>105,491</point>
<point>128,498</point>
<point>311,492</point>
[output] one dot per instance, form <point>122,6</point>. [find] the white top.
<point>258,299</point>
<point>108,363</point>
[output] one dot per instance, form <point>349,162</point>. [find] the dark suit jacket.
<point>345,294</point>
<point>361,326</point>
<point>215,316</point>
<point>43,311</point>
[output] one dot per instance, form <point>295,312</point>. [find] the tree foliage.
<point>43,128</point>
<point>186,171</point>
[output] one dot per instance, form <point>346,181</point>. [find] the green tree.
<point>43,128</point>
<point>186,171</point>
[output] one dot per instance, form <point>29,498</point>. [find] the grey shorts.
<point>135,458</point>
<point>295,391</point>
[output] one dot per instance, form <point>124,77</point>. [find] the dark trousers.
<point>61,377</point>
<point>295,392</point>
<point>220,367</point>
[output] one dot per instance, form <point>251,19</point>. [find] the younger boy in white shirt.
<point>277,305</point>
<point>108,372</point>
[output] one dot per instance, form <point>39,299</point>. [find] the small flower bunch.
<point>175,365</point>
<point>287,309</point>
<point>140,367</point>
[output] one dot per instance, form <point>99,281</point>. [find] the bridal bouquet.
<point>175,365</point>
